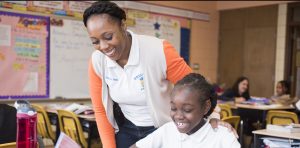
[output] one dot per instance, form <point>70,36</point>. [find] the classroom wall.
<point>226,5</point>
<point>280,43</point>
<point>204,36</point>
<point>205,39</point>
<point>280,32</point>
<point>248,47</point>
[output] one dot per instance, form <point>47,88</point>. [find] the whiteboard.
<point>70,51</point>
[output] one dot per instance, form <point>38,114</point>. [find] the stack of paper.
<point>291,128</point>
<point>78,109</point>
<point>280,142</point>
<point>65,141</point>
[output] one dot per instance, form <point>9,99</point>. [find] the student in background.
<point>282,95</point>
<point>239,92</point>
<point>130,77</point>
<point>192,100</point>
<point>282,88</point>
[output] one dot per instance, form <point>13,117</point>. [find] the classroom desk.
<point>90,117</point>
<point>257,113</point>
<point>261,110</point>
<point>88,122</point>
<point>264,107</point>
<point>267,133</point>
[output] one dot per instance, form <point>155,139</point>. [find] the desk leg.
<point>264,118</point>
<point>241,134</point>
<point>255,141</point>
<point>54,121</point>
<point>57,131</point>
<point>91,128</point>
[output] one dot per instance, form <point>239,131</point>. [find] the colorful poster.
<point>155,25</point>
<point>49,4</point>
<point>24,56</point>
<point>17,2</point>
<point>78,6</point>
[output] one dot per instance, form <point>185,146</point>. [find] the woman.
<point>135,71</point>
<point>239,91</point>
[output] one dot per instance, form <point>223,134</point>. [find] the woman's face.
<point>243,86</point>
<point>186,111</point>
<point>107,36</point>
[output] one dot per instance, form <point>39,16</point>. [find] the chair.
<point>8,145</point>
<point>233,120</point>
<point>8,123</point>
<point>44,126</point>
<point>281,117</point>
<point>71,126</point>
<point>225,110</point>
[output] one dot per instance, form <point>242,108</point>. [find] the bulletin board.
<point>61,69</point>
<point>176,30</point>
<point>24,56</point>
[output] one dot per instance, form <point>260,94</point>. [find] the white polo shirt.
<point>167,136</point>
<point>126,86</point>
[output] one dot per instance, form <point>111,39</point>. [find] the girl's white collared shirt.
<point>168,136</point>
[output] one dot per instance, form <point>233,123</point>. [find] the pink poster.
<point>24,56</point>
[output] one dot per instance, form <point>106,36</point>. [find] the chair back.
<point>281,117</point>
<point>8,145</point>
<point>225,110</point>
<point>8,123</point>
<point>233,120</point>
<point>43,125</point>
<point>71,126</point>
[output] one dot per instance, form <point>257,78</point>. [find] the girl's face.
<point>186,110</point>
<point>280,90</point>
<point>107,36</point>
<point>243,86</point>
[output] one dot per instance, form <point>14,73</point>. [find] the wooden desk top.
<point>277,134</point>
<point>90,117</point>
<point>263,107</point>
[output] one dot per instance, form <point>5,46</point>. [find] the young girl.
<point>192,101</point>
<point>282,88</point>
<point>282,95</point>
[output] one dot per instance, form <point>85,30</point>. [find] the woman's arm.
<point>176,66</point>
<point>228,95</point>
<point>106,131</point>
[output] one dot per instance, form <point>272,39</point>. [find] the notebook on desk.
<point>290,128</point>
<point>257,101</point>
<point>79,109</point>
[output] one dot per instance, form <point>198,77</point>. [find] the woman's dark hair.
<point>286,85</point>
<point>104,7</point>
<point>198,84</point>
<point>235,88</point>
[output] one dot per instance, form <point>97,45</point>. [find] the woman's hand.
<point>239,99</point>
<point>216,122</point>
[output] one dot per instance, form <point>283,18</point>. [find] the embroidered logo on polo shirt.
<point>140,77</point>
<point>112,79</point>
